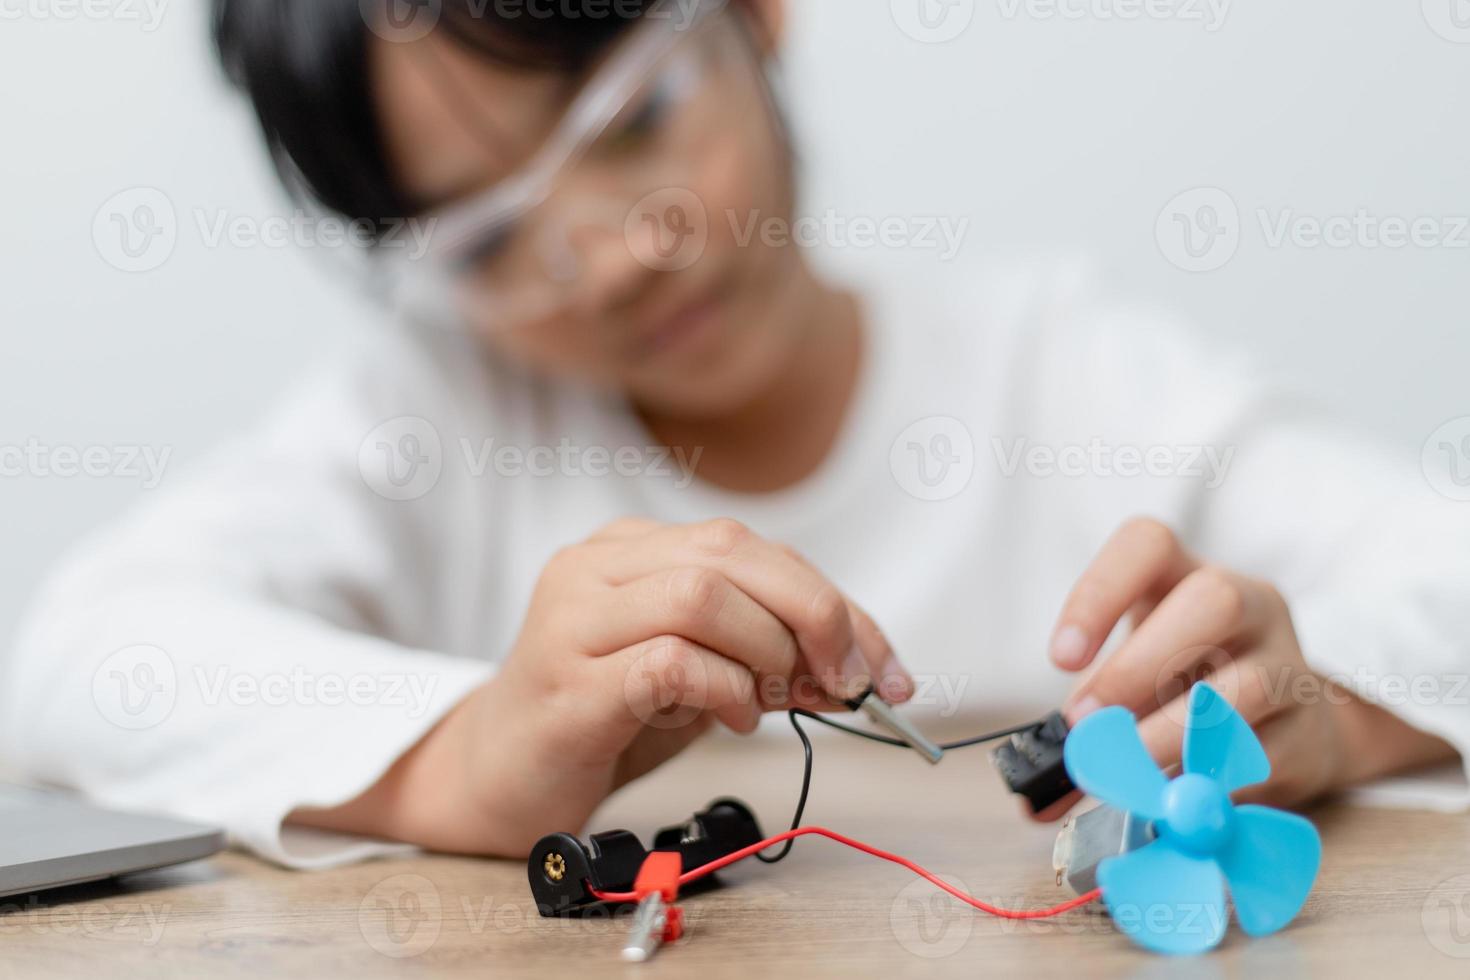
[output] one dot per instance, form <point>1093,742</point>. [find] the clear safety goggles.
<point>615,172</point>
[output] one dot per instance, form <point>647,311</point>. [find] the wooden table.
<point>1393,898</point>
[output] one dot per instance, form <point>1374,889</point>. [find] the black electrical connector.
<point>562,868</point>
<point>1031,763</point>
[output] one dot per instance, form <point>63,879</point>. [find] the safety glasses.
<point>649,120</point>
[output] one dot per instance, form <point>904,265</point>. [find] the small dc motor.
<point>1090,838</point>
<point>1031,762</point>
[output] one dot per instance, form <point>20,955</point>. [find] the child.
<point>658,475</point>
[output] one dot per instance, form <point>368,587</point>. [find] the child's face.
<point>612,280</point>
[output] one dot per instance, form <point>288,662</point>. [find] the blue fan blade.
<point>1271,863</point>
<point>1219,744</point>
<point>1105,757</point>
<point>1165,900</point>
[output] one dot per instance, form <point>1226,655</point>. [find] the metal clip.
<point>882,714</point>
<point>657,920</point>
<point>647,934</point>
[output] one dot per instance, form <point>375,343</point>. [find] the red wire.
<point>740,855</point>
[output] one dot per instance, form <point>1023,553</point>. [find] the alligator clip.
<point>883,714</point>
<point>657,919</point>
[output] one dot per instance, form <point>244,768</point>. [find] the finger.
<point>872,663</point>
<point>742,718</point>
<point>1162,733</point>
<point>1141,610</point>
<point>668,682</point>
<point>1141,561</point>
<point>624,528</point>
<point>895,684</point>
<point>699,604</point>
<point>1244,683</point>
<point>817,614</point>
<point>1211,612</point>
<point>1297,767</point>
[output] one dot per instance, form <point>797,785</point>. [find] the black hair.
<point>305,66</point>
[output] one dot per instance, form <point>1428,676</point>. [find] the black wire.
<point>806,785</point>
<point>806,746</point>
<point>888,740</point>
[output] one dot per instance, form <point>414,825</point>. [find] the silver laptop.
<point>48,840</point>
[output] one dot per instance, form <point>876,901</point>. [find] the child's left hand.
<point>1193,621</point>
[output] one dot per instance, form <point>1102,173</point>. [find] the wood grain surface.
<point>1393,898</point>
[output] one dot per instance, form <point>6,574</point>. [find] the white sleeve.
<point>1373,560</point>
<point>264,636</point>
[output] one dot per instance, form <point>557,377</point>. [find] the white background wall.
<point>1055,125</point>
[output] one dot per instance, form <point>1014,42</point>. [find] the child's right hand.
<point>634,642</point>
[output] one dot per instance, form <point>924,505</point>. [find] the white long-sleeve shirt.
<point>274,631</point>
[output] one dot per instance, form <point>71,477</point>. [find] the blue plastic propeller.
<point>1169,895</point>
